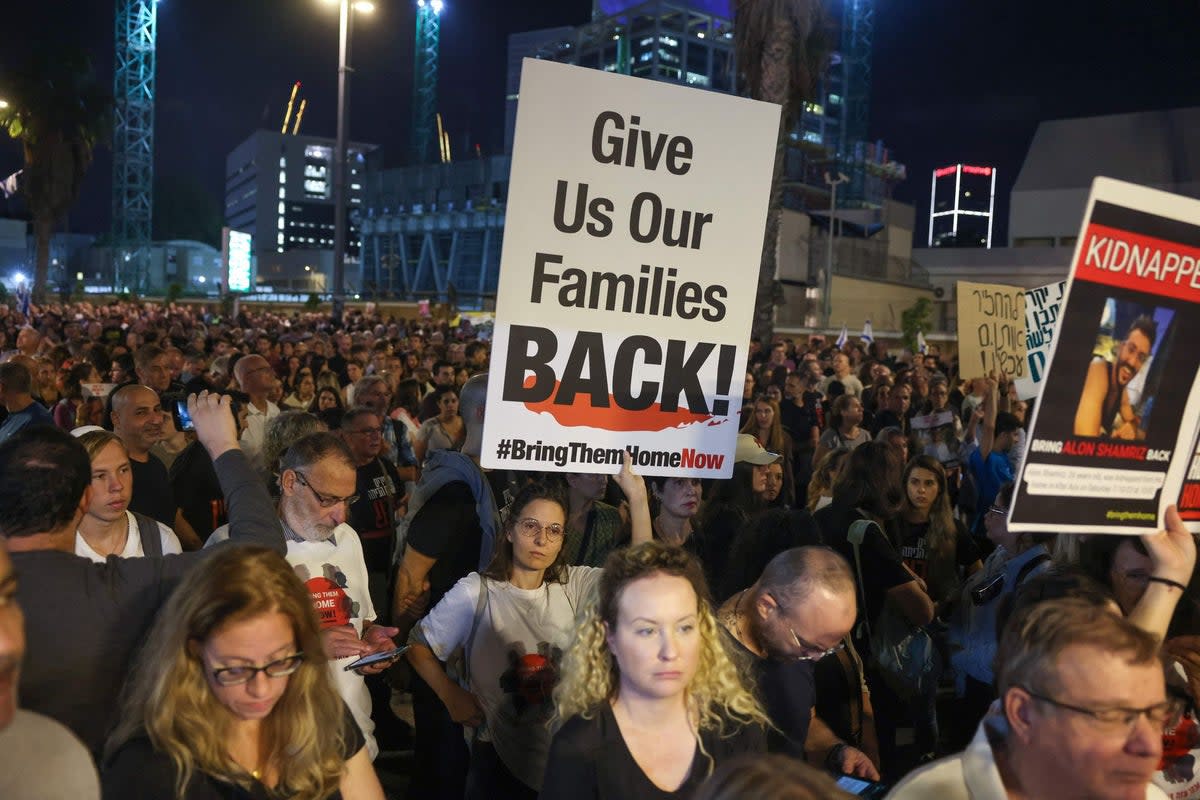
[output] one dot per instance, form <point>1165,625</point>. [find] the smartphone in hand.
<point>375,658</point>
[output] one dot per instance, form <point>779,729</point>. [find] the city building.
<point>194,267</point>
<point>688,42</point>
<point>962,202</point>
<point>1151,148</point>
<point>433,231</point>
<point>279,189</point>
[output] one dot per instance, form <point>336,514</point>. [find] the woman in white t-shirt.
<point>109,528</point>
<point>510,627</point>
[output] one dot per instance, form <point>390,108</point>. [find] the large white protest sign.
<point>1041,321</point>
<point>627,279</point>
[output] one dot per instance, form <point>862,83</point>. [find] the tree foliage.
<point>782,50</point>
<point>59,113</point>
<point>917,318</point>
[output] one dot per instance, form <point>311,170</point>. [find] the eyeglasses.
<point>998,510</point>
<point>530,528</point>
<point>814,652</point>
<point>1121,720</point>
<point>366,432</point>
<point>326,500</point>
<point>279,668</point>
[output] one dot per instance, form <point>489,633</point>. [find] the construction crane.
<point>287,115</point>
<point>133,142</point>
<point>858,27</point>
<point>425,70</point>
<point>299,116</point>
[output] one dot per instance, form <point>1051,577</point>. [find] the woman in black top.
<point>232,696</point>
<point>651,699</point>
<point>931,542</point>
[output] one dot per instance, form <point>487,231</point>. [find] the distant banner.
<point>1042,306</point>
<point>991,330</point>
<point>1117,420</point>
<point>627,277</point>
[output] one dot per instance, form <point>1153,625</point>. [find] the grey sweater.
<point>85,621</point>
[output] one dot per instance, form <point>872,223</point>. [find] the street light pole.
<point>827,288</point>
<point>345,20</point>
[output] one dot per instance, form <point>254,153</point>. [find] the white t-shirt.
<point>514,658</point>
<point>133,542</point>
<point>40,758</point>
<point>255,433</point>
<point>335,574</point>
<point>1180,776</point>
<point>969,775</point>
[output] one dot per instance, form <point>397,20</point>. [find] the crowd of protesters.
<point>209,524</point>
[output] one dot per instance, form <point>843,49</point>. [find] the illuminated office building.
<point>279,189</point>
<point>961,205</point>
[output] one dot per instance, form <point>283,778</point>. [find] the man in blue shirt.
<point>989,462</point>
<point>16,386</point>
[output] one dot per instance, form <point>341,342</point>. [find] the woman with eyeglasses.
<point>231,696</point>
<point>650,698</point>
<point>511,625</point>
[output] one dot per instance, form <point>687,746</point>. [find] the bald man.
<point>256,378</point>
<point>138,419</point>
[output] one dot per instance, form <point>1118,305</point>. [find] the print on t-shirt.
<point>333,605</point>
<point>1181,747</point>
<point>531,677</point>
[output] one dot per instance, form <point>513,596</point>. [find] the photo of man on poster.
<point>1105,409</point>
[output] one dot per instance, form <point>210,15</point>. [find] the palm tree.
<point>781,52</point>
<point>59,112</point>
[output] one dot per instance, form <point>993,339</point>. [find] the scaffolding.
<point>425,73</point>
<point>133,142</point>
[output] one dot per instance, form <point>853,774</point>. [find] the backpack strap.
<point>1029,566</point>
<point>480,607</point>
<point>856,535</point>
<point>151,538</point>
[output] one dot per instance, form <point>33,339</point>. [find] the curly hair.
<point>590,677</point>
<point>169,698</point>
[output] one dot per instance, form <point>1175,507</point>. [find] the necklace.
<point>735,616</point>
<point>119,546</point>
<point>740,633</point>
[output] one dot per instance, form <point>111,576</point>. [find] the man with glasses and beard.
<point>317,481</point>
<point>799,611</point>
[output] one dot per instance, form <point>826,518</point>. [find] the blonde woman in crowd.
<point>651,700</point>
<point>232,695</point>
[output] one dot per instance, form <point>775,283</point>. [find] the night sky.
<point>953,80</point>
